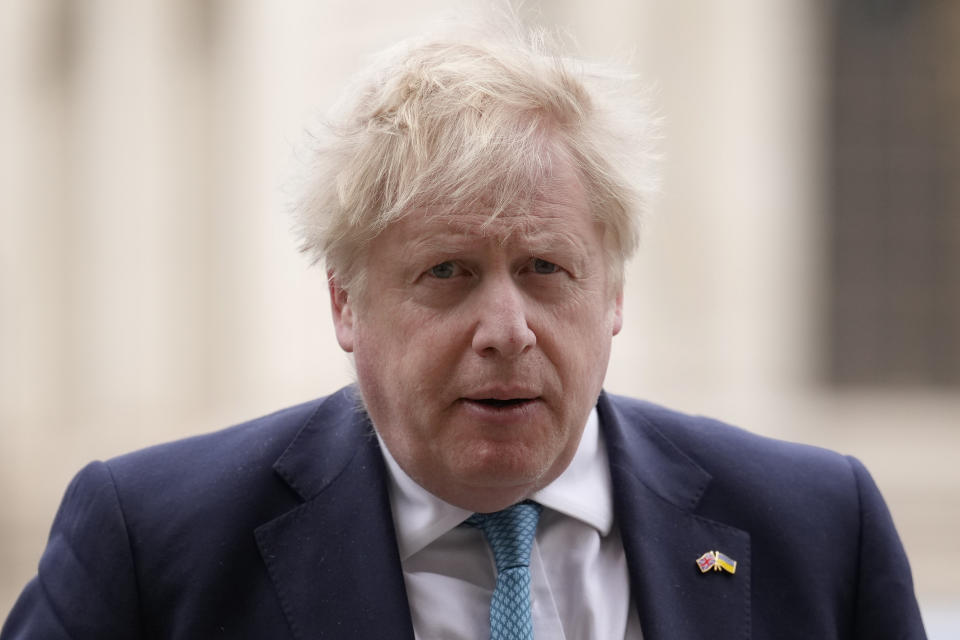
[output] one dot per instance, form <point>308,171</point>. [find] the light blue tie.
<point>510,534</point>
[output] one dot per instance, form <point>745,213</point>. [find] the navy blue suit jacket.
<point>281,528</point>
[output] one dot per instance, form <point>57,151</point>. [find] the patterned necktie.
<point>510,534</point>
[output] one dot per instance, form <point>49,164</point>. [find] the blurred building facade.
<point>800,275</point>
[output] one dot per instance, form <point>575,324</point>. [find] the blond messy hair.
<point>474,116</point>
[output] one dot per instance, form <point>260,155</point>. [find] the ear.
<point>618,312</point>
<point>343,319</point>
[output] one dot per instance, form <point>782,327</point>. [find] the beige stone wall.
<point>149,287</point>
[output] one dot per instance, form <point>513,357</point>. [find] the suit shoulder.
<point>218,465</point>
<point>251,439</point>
<point>741,460</point>
<point>697,433</point>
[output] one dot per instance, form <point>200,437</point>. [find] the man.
<point>474,207</point>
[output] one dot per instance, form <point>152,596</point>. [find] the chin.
<point>502,466</point>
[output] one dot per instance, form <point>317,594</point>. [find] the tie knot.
<point>509,533</point>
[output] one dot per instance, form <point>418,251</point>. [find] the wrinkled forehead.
<point>463,231</point>
<point>515,200</point>
<point>557,203</point>
<point>557,226</point>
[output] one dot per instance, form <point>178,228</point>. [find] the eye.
<point>443,271</point>
<point>544,267</point>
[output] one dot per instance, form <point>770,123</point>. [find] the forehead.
<point>558,209</point>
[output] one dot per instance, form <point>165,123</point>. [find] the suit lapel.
<point>333,559</point>
<point>656,492</point>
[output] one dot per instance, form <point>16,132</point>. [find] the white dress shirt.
<point>580,587</point>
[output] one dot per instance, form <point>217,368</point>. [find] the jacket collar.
<point>333,559</point>
<point>657,490</point>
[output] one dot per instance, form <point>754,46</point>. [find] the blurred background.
<point>800,275</point>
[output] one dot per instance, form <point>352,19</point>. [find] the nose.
<point>502,327</point>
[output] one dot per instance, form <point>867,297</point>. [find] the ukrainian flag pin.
<point>716,561</point>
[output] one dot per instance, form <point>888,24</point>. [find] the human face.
<point>481,347</point>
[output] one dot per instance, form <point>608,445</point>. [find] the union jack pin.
<point>716,561</point>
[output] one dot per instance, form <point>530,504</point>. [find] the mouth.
<point>497,403</point>
<point>500,406</point>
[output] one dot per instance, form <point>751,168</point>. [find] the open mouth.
<point>503,404</point>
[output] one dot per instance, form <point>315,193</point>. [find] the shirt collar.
<point>582,491</point>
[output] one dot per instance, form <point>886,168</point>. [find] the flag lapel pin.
<point>716,561</point>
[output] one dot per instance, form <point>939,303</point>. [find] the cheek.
<point>582,349</point>
<point>406,351</point>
